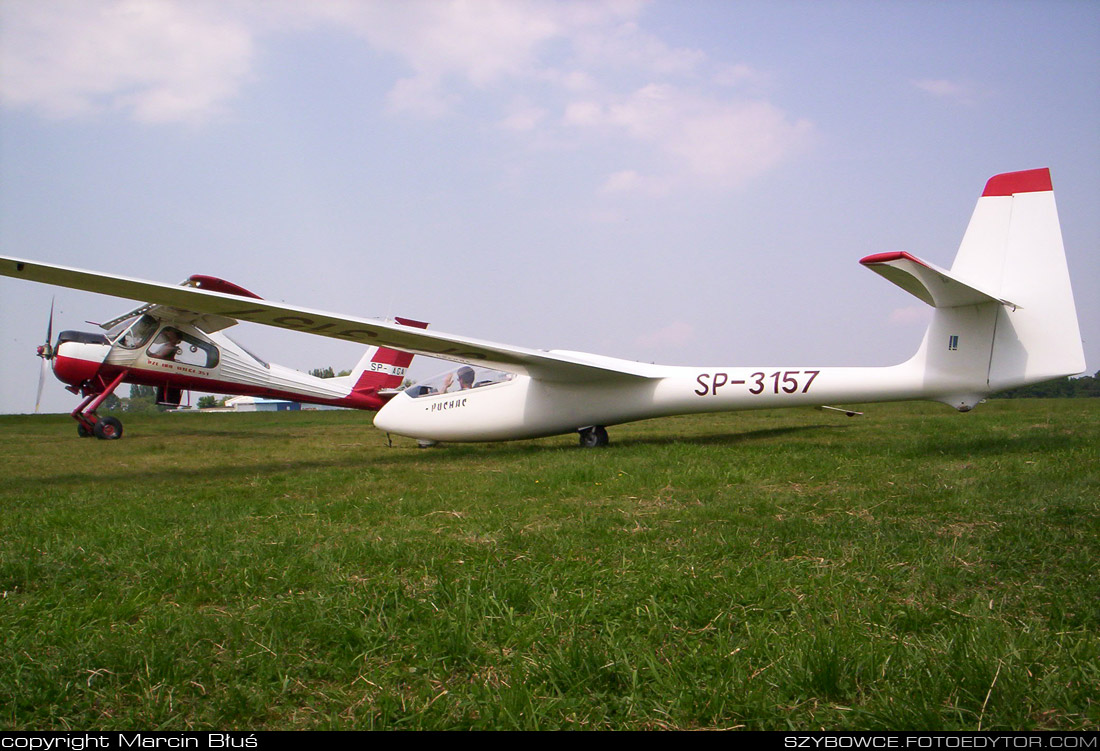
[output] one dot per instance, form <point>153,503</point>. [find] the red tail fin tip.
<point>1011,183</point>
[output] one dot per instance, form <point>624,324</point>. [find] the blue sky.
<point>679,182</point>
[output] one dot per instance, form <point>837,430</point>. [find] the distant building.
<point>260,404</point>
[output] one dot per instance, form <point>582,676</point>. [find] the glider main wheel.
<point>82,431</point>
<point>108,429</point>
<point>594,437</point>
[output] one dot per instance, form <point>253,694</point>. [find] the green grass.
<point>912,569</point>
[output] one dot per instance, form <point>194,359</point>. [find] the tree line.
<point>1059,388</point>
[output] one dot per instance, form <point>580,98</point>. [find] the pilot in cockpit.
<point>166,346</point>
<point>465,379</point>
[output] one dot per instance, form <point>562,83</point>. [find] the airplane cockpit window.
<point>177,346</point>
<point>134,334</point>
<point>461,379</point>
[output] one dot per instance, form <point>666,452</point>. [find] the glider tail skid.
<point>1004,314</point>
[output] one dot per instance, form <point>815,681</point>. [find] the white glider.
<point>1004,317</point>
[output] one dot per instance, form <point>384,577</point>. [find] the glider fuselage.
<point>526,407</point>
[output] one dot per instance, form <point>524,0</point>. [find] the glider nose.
<point>382,417</point>
<point>389,418</point>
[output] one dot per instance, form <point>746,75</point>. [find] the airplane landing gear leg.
<point>85,428</point>
<point>593,436</point>
<point>89,423</point>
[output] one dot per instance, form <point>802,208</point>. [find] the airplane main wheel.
<point>108,429</point>
<point>82,431</point>
<point>594,436</point>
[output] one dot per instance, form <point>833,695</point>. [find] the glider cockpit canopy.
<point>459,379</point>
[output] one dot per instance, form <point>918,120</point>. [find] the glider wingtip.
<point>214,284</point>
<point>411,322</point>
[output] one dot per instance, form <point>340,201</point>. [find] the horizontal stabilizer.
<point>929,282</point>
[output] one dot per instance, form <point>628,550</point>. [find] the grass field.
<point>911,569</point>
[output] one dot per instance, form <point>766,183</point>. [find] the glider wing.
<point>546,365</point>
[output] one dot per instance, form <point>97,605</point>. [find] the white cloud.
<point>963,92</point>
<point>159,61</point>
<point>728,142</point>
<point>572,80</point>
<point>629,181</point>
<point>579,68</point>
<point>523,117</point>
<point>626,45</point>
<point>583,113</point>
<point>180,59</point>
<point>420,96</point>
<point>480,45</point>
<point>739,74</point>
<point>483,44</point>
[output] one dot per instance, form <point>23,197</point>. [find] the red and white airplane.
<point>1003,317</point>
<point>175,350</point>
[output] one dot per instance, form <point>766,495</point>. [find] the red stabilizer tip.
<point>895,255</point>
<point>1028,181</point>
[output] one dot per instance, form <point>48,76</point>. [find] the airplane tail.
<point>382,367</point>
<point>1004,314</point>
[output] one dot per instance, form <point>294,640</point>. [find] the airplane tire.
<point>594,437</point>
<point>82,431</point>
<point>108,429</point>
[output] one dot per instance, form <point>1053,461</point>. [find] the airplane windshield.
<point>136,335</point>
<point>461,379</point>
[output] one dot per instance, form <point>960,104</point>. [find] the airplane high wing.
<point>202,321</point>
<point>546,365</point>
<point>1004,317</point>
<point>175,346</point>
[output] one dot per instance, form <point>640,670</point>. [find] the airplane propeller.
<point>46,352</point>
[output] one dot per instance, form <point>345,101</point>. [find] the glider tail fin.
<point>1004,314</point>
<point>382,367</point>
